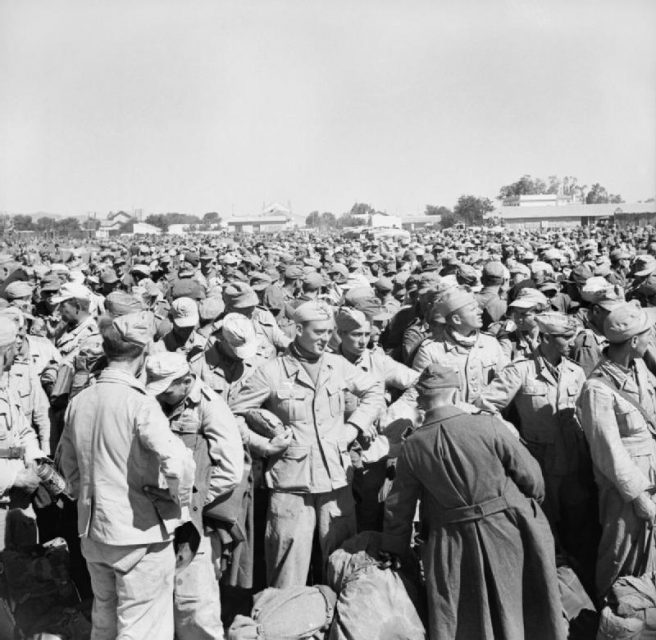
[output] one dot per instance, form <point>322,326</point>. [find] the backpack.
<point>373,602</point>
<point>39,596</point>
<point>295,613</point>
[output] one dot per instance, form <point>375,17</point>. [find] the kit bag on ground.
<point>295,613</point>
<point>578,609</point>
<point>630,611</point>
<point>373,602</point>
<point>38,595</point>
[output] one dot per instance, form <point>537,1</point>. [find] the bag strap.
<point>625,396</point>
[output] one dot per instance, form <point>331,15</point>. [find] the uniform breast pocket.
<point>335,400</point>
<point>487,370</point>
<point>630,422</point>
<point>4,426</point>
<point>291,470</point>
<point>290,403</point>
<point>536,394</point>
<point>186,427</point>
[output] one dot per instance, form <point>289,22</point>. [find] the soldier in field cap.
<point>310,479</point>
<point>478,488</point>
<point>116,442</point>
<point>617,410</point>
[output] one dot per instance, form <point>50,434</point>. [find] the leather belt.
<point>470,513</point>
<point>13,453</point>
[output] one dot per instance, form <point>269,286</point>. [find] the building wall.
<point>545,222</point>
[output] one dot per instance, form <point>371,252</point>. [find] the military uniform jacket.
<point>476,364</point>
<point>545,398</point>
<point>206,425</point>
<point>317,460</point>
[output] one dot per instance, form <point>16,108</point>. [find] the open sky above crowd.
<point>168,105</point>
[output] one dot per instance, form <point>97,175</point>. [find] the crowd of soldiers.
<point>225,413</point>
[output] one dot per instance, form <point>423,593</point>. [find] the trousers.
<point>132,589</point>
<point>292,519</point>
<point>196,599</point>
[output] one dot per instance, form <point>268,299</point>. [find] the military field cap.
<point>597,288</point>
<point>313,281</point>
<point>119,260</point>
<point>357,293</point>
<point>210,308</point>
<point>120,303</point>
<point>50,283</point>
<point>314,310</point>
<point>384,285</point>
<point>18,289</point>
<point>8,331</point>
<point>539,265</point>
<point>192,258</point>
<point>624,321</point>
<point>150,289</point>
<point>187,288</point>
<point>108,276</point>
<point>581,273</point>
<point>239,332</point>
<point>206,253</point>
<point>230,259</point>
<point>453,299</point>
<point>372,308</point>
<point>528,298</point>
<point>135,328</point>
<point>260,280</point>
<point>184,312</point>
<point>644,265</point>
<point>552,254</point>
<point>494,270</point>
<point>141,268</point>
<point>165,259</point>
<point>619,254</point>
<point>467,274</point>
<point>348,319</point>
<point>164,368</point>
<point>71,290</point>
<point>548,285</point>
<point>555,323</point>
<point>293,272</point>
<point>15,315</point>
<point>437,376</point>
<point>312,262</point>
<point>338,267</point>
<point>518,267</point>
<point>239,295</point>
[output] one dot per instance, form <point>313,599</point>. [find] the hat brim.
<point>645,272</point>
<point>261,286</point>
<point>245,351</point>
<point>186,322</point>
<point>523,304</point>
<point>160,386</point>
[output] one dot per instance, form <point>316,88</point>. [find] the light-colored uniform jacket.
<point>476,365</point>
<point>623,452</point>
<point>117,440</point>
<point>317,460</point>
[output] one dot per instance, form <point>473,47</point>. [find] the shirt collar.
<point>122,377</point>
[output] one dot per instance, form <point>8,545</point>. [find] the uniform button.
<point>195,508</point>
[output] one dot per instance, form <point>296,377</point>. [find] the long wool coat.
<point>489,558</point>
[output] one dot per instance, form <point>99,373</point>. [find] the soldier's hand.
<point>279,443</point>
<point>27,479</point>
<point>243,628</point>
<point>644,507</point>
<point>369,433</point>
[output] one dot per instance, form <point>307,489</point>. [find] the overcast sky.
<point>207,105</point>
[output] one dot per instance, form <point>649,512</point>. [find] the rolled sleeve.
<point>500,392</point>
<point>370,392</point>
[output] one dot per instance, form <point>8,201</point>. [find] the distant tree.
<point>67,226</point>
<point>23,223</point>
<point>471,210</point>
<point>211,217</point>
<point>44,224</point>
<point>313,219</point>
<point>650,199</point>
<point>448,219</point>
<point>599,195</point>
<point>525,186</point>
<point>158,220</point>
<point>432,210</point>
<point>347,220</point>
<point>328,220</point>
<point>360,208</point>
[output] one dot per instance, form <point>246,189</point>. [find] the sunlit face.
<point>24,304</point>
<point>471,317</point>
<point>356,341</point>
<point>562,343</point>
<point>68,310</point>
<point>641,342</point>
<point>524,318</point>
<point>314,336</point>
<point>176,391</point>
